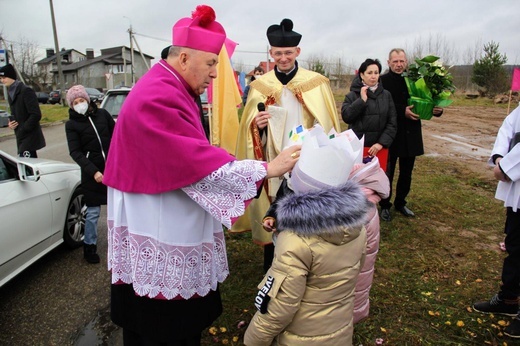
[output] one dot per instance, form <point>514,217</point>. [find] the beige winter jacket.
<point>307,297</point>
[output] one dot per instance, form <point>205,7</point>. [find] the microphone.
<point>261,107</point>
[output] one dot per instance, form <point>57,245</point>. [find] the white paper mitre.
<point>326,160</point>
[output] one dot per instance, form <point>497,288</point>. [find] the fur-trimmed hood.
<point>337,214</point>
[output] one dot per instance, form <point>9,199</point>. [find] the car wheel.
<point>74,229</point>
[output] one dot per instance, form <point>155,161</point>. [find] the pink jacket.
<point>376,186</point>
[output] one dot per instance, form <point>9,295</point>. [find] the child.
<point>307,296</point>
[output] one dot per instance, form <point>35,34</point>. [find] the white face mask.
<point>81,108</point>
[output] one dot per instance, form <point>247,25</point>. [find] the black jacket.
<point>26,111</point>
<point>408,141</point>
<point>86,150</point>
<point>375,118</point>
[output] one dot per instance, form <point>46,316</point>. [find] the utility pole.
<point>132,54</point>
<point>58,55</point>
<point>267,61</point>
<point>131,34</point>
<point>124,62</point>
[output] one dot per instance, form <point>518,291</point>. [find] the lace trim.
<point>223,192</point>
<point>159,270</point>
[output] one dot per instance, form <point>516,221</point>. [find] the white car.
<point>41,206</point>
<point>113,101</point>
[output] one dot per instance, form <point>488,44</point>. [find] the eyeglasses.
<point>287,53</point>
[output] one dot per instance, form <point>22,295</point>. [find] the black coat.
<point>408,141</point>
<point>26,111</point>
<point>86,150</point>
<point>375,118</point>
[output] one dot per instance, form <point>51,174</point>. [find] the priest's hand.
<point>284,162</point>
<point>261,119</point>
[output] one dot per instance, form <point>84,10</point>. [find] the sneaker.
<point>385,214</point>
<point>513,329</point>
<point>508,307</point>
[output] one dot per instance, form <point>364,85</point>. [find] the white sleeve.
<point>223,192</point>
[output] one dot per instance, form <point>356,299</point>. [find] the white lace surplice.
<point>172,244</point>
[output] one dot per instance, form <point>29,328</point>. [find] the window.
<point>118,69</point>
<point>7,171</point>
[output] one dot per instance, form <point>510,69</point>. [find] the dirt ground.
<point>464,134</point>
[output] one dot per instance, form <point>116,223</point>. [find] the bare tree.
<point>433,45</point>
<point>317,63</point>
<point>472,53</point>
<point>26,52</point>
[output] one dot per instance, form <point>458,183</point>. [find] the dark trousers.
<point>404,181</point>
<point>161,322</point>
<point>131,338</point>
<point>510,288</point>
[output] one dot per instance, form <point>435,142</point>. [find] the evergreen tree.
<point>318,67</point>
<point>489,72</point>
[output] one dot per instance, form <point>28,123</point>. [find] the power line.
<point>152,37</point>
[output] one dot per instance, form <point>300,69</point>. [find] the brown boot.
<point>89,253</point>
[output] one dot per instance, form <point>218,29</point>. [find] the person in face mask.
<point>89,132</point>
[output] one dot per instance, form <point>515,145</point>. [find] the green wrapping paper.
<point>421,107</point>
<point>421,98</point>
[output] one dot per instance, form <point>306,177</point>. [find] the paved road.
<point>61,296</point>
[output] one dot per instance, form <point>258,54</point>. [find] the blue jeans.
<point>91,225</point>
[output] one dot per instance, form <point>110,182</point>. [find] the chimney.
<point>90,53</point>
<point>50,52</point>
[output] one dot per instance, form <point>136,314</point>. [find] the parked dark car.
<point>4,118</point>
<point>55,97</point>
<point>95,95</point>
<point>113,101</point>
<point>42,97</point>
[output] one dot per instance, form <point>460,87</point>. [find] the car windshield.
<point>113,103</point>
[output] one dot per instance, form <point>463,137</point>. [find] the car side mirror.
<point>27,172</point>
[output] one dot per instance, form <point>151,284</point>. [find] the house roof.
<point>113,59</point>
<point>109,56</point>
<point>263,65</point>
<point>118,49</point>
<point>53,57</point>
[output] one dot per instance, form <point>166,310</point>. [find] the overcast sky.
<point>331,29</point>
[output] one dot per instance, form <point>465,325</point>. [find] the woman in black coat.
<point>369,109</point>
<point>89,131</point>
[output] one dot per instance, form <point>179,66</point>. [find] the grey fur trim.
<point>323,211</point>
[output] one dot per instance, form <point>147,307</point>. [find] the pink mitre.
<point>200,32</point>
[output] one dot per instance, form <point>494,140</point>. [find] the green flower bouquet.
<point>429,85</point>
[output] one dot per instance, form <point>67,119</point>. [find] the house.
<point>49,64</point>
<point>112,68</point>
